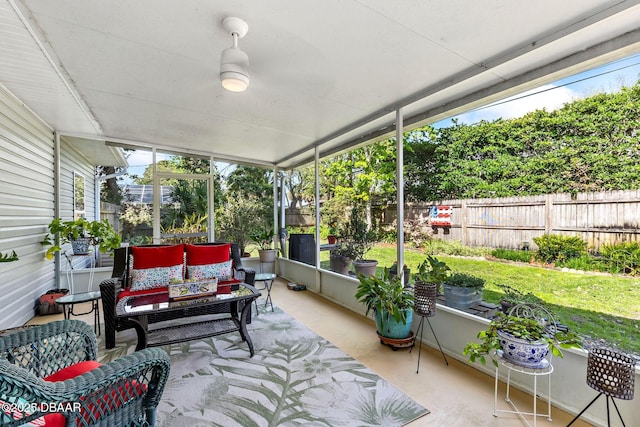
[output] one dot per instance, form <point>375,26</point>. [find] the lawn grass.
<point>596,306</point>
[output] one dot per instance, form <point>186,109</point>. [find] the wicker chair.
<point>110,288</point>
<point>124,392</point>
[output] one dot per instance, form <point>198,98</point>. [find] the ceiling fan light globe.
<point>234,81</point>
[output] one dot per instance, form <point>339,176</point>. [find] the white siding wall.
<point>26,207</point>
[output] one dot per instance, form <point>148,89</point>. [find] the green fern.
<point>9,257</point>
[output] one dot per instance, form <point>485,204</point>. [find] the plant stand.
<point>396,343</point>
<point>545,370</point>
<point>425,296</point>
<point>610,373</point>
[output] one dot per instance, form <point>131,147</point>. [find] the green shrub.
<point>623,257</point>
<point>557,247</point>
<point>512,255</point>
<point>587,262</point>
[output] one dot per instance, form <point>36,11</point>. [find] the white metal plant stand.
<point>545,370</point>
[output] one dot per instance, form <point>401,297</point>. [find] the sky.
<point>607,78</point>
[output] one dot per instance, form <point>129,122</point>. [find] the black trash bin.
<point>302,247</point>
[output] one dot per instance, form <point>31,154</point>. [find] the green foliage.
<point>512,255</point>
<point>588,145</point>
<point>348,249</point>
<point>623,257</point>
<point>251,180</point>
<point>520,327</point>
<point>355,234</point>
<point>191,224</point>
<point>133,217</point>
<point>464,280</point>
<point>99,233</point>
<point>432,270</point>
<point>558,247</point>
<point>384,294</point>
<point>263,238</point>
<point>9,257</point>
<point>241,217</point>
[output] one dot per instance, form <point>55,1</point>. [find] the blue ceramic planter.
<point>388,327</point>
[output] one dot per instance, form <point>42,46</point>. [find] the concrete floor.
<point>457,395</point>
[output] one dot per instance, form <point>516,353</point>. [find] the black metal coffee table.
<point>225,313</point>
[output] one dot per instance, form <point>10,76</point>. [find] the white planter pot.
<point>267,255</point>
<point>530,354</point>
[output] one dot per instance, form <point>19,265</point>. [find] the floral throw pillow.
<point>221,270</point>
<point>150,278</point>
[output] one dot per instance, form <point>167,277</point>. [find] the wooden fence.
<point>512,222</point>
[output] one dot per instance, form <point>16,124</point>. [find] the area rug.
<point>296,378</point>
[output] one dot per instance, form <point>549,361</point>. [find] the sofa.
<point>148,270</point>
<point>49,376</point>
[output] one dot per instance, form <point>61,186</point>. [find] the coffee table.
<point>231,313</point>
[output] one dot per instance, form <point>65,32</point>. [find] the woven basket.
<point>611,373</point>
<point>425,296</point>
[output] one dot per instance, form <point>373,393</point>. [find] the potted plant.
<point>432,271</point>
<point>342,255</point>
<point>360,264</point>
<point>363,238</point>
<point>523,341</point>
<point>463,290</point>
<point>264,240</point>
<point>391,303</point>
<point>393,271</point>
<point>80,233</point>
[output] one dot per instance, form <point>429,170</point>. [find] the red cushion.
<point>73,371</point>
<point>131,390</point>
<point>56,419</point>
<point>207,254</point>
<point>153,257</point>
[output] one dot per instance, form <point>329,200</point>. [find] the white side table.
<point>544,370</point>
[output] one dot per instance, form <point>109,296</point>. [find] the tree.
<point>359,176</point>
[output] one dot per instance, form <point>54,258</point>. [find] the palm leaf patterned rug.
<point>296,378</point>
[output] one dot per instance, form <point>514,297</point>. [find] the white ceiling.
<point>328,73</point>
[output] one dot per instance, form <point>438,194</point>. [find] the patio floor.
<point>456,395</point>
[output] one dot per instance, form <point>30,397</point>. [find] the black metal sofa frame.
<point>110,288</point>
